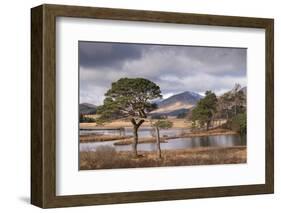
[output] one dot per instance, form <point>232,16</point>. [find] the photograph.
<point>140,105</point>
<point>158,105</point>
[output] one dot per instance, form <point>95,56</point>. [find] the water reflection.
<point>143,132</point>
<point>178,143</point>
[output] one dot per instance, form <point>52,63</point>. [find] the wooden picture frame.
<point>43,105</point>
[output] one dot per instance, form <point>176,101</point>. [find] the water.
<point>143,132</point>
<point>172,144</point>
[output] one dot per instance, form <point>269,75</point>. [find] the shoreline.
<point>92,138</point>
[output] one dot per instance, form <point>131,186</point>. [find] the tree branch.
<point>140,123</point>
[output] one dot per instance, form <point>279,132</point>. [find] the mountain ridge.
<point>87,109</point>
<point>172,106</point>
<point>177,104</point>
<point>185,97</point>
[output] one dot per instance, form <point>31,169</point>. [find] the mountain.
<point>87,109</point>
<point>177,104</point>
<point>190,98</point>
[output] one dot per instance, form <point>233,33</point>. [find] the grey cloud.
<point>174,68</point>
<point>213,60</point>
<point>101,54</point>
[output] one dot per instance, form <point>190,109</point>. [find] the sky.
<point>175,69</point>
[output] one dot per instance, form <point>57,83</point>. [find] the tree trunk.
<point>135,132</point>
<point>135,144</point>
<point>122,131</point>
<point>158,142</point>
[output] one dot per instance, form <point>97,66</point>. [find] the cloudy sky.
<point>174,68</point>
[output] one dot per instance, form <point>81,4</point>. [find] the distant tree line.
<point>231,106</point>
<point>86,119</point>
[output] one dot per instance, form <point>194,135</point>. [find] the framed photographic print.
<point>137,106</point>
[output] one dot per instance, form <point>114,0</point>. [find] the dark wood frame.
<point>43,105</point>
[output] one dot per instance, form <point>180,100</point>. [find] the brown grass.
<point>212,132</point>
<point>177,123</point>
<point>108,158</point>
<point>100,138</point>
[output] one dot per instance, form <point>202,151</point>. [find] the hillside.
<point>87,109</point>
<point>177,104</point>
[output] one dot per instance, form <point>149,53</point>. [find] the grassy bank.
<point>212,132</point>
<point>141,140</point>
<point>108,158</point>
<point>177,123</point>
<point>100,138</point>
